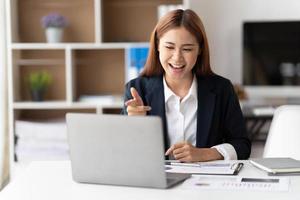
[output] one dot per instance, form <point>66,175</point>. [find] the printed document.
<point>237,183</point>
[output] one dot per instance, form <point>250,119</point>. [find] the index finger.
<point>173,147</point>
<point>136,96</point>
<point>169,151</point>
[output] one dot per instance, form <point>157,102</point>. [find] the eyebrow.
<point>188,44</point>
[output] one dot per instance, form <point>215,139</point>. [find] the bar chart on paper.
<point>238,183</point>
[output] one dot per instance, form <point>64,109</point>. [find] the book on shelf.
<point>136,59</point>
<point>277,166</point>
<point>266,110</point>
<point>163,9</point>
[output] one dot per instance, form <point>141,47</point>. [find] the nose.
<point>177,55</point>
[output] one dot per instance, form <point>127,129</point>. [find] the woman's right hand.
<point>136,106</point>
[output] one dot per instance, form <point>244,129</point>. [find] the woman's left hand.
<point>186,152</point>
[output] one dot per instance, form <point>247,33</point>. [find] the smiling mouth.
<point>176,66</point>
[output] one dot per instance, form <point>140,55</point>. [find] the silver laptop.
<point>118,150</point>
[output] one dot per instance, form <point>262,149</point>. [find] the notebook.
<point>118,150</point>
<point>277,166</point>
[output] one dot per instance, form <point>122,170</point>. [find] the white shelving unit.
<point>90,61</point>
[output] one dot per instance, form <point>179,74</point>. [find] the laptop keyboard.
<point>170,180</point>
<point>173,178</point>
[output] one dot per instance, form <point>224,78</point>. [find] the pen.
<point>199,164</point>
<point>216,165</point>
<point>185,164</point>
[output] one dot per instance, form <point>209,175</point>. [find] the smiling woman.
<point>4,158</point>
<point>201,116</point>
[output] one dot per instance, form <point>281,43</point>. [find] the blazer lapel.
<point>206,104</point>
<point>155,98</point>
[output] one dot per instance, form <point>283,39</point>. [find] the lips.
<point>176,66</point>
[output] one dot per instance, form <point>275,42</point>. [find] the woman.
<point>200,110</point>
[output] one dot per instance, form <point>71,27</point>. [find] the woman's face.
<point>178,52</point>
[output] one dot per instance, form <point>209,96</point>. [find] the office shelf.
<point>90,61</point>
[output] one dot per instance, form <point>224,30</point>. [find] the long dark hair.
<point>177,18</point>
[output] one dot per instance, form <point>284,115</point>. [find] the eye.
<point>185,49</point>
<point>169,47</point>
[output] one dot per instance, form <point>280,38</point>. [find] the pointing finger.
<point>136,96</point>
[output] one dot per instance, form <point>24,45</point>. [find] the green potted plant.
<point>38,83</point>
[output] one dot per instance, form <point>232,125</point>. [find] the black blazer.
<point>219,116</point>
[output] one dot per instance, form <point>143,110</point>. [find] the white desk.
<point>52,180</point>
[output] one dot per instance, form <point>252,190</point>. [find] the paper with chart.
<point>237,183</point>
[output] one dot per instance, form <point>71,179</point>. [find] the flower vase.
<point>54,34</point>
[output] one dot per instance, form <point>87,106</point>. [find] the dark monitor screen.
<point>271,53</point>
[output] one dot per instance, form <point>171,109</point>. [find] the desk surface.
<point>52,180</point>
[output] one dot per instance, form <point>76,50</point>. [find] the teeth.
<point>177,66</point>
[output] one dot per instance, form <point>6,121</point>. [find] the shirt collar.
<point>168,92</point>
<point>192,91</point>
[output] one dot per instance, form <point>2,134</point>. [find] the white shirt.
<point>182,119</point>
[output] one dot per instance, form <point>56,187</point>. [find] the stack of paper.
<point>41,140</point>
<point>213,168</point>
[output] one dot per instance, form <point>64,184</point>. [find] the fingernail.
<point>148,108</point>
<point>167,152</point>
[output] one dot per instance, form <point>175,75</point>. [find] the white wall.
<point>1,92</point>
<point>223,21</point>
<point>3,99</point>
